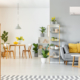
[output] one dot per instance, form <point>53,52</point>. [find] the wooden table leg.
<point>73,61</point>
<point>15,51</point>
<point>19,52</point>
<point>25,51</point>
<point>79,62</point>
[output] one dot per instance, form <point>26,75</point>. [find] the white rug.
<point>22,77</point>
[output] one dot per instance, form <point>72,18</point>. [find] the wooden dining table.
<point>19,45</point>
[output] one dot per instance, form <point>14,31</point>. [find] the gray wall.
<point>70,25</point>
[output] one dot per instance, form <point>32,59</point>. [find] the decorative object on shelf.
<point>42,31</point>
<point>53,20</point>
<point>52,46</point>
<point>20,39</point>
<point>45,54</point>
<point>15,42</point>
<point>56,47</point>
<point>56,30</point>
<point>54,39</point>
<point>35,49</point>
<point>18,27</point>
<point>40,46</point>
<point>55,55</point>
<point>45,41</point>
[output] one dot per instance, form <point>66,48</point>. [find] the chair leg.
<point>3,55</point>
<point>66,62</point>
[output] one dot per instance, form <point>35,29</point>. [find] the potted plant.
<point>4,37</point>
<point>45,54</point>
<point>35,49</point>
<point>20,39</point>
<point>42,31</point>
<point>52,46</point>
<point>53,20</point>
<point>53,38</point>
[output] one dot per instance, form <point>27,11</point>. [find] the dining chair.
<point>29,51</point>
<point>7,52</point>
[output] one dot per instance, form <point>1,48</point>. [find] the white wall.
<point>30,21</point>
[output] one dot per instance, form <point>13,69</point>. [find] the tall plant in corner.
<point>42,29</point>
<point>4,36</point>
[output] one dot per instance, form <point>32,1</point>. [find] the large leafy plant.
<point>45,52</point>
<point>42,29</point>
<point>4,36</point>
<point>35,48</point>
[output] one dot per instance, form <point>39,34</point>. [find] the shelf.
<point>54,56</point>
<point>54,49</point>
<point>55,41</point>
<point>42,43</point>
<point>54,32</point>
<point>55,25</point>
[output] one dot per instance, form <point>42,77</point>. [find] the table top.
<point>17,44</point>
<point>77,55</point>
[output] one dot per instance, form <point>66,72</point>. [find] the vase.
<point>19,41</point>
<point>43,60</point>
<point>42,34</point>
<point>52,22</point>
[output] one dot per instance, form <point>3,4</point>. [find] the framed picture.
<point>74,10</point>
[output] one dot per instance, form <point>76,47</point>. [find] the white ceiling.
<point>25,3</point>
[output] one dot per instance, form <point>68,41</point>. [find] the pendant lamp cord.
<point>18,12</point>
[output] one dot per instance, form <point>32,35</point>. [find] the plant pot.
<point>52,47</point>
<point>52,22</point>
<point>43,60</point>
<point>42,34</point>
<point>35,54</point>
<point>56,47</point>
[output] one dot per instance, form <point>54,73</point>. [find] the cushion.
<point>73,48</point>
<point>78,46</point>
<point>66,49</point>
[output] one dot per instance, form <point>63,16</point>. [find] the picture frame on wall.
<point>74,10</point>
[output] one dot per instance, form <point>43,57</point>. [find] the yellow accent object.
<point>78,46</point>
<point>15,42</point>
<point>73,48</point>
<point>48,53</point>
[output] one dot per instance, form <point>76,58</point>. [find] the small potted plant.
<point>20,39</point>
<point>42,31</point>
<point>45,54</point>
<point>53,38</point>
<point>53,20</point>
<point>52,46</point>
<point>35,49</point>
